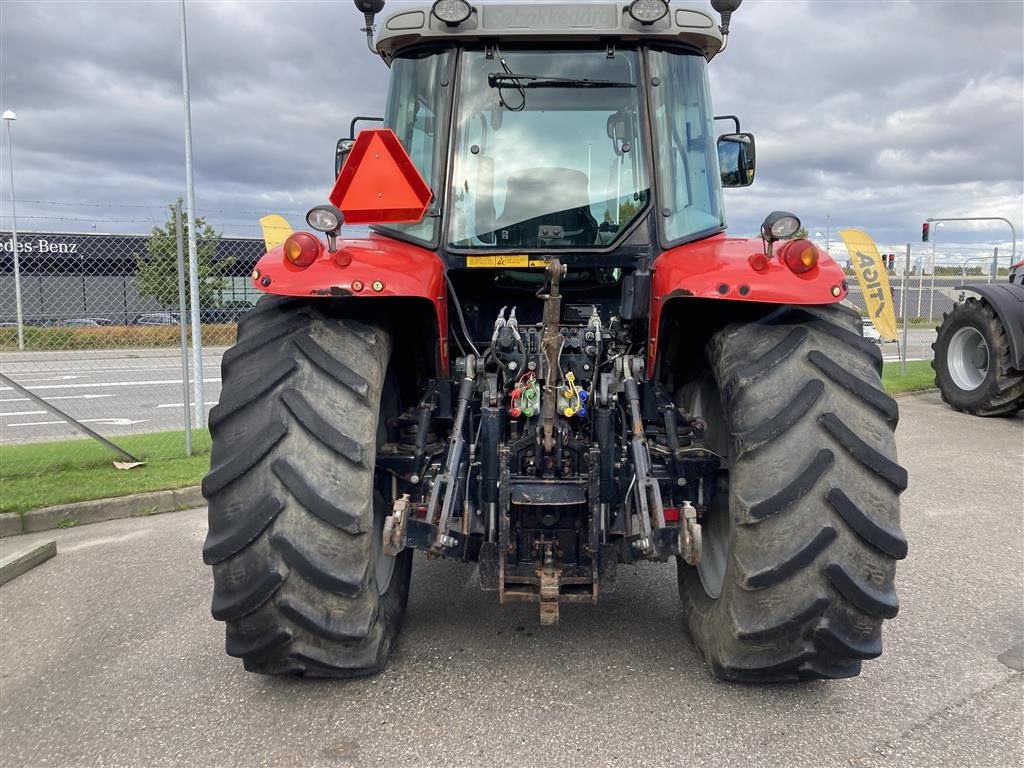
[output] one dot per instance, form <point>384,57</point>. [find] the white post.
<point>931,285</point>
<point>9,117</point>
<point>920,287</point>
<point>182,306</point>
<point>903,311</point>
<point>193,257</point>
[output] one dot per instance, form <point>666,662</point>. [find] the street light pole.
<point>1013,231</point>
<point>9,117</point>
<point>193,258</point>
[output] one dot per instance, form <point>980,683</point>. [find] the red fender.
<point>719,268</point>
<point>379,267</point>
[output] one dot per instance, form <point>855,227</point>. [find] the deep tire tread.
<point>306,494</point>
<point>813,500</point>
<point>316,570</point>
<point>256,647</point>
<point>891,542</point>
<point>796,489</point>
<point>230,534</point>
<point>321,429</point>
<point>799,560</point>
<point>294,497</point>
<point>877,399</point>
<point>867,455</point>
<point>230,605</point>
<point>223,475</point>
<point>322,622</point>
<point>333,367</point>
<point>881,603</point>
<point>241,398</point>
<point>783,421</point>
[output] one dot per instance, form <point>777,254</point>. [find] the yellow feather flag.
<point>874,280</point>
<point>275,230</point>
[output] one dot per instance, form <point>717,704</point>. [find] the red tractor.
<point>549,359</point>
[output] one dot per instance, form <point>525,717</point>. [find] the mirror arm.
<point>368,29</point>
<point>735,120</point>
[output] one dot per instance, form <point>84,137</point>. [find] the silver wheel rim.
<point>383,566</point>
<point>968,358</point>
<point>714,557</point>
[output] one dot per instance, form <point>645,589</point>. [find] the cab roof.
<point>550,21</point>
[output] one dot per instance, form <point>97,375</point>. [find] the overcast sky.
<point>876,114</point>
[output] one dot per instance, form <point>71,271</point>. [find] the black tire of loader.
<point>292,504</point>
<point>813,531</point>
<point>1002,391</point>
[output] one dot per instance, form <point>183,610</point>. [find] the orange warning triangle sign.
<point>379,182</point>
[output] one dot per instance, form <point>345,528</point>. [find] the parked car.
<point>869,332</point>
<point>157,318</point>
<point>221,316</point>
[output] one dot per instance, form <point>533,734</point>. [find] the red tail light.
<point>758,261</point>
<point>302,249</point>
<point>799,255</point>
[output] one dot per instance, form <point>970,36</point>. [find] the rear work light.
<point>302,249</point>
<point>799,255</point>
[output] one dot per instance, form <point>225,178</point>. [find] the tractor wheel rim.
<point>968,358</point>
<point>383,566</point>
<point>715,528</point>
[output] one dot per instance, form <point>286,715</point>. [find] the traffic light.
<point>924,232</point>
<point>892,261</point>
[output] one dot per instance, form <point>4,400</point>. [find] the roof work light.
<point>451,12</point>
<point>648,11</point>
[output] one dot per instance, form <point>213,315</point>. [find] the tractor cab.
<point>576,129</point>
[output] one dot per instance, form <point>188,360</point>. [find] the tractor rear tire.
<point>802,537</point>
<point>295,510</point>
<point>972,362</point>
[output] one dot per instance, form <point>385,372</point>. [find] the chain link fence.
<point>101,337</point>
<point>924,279</point>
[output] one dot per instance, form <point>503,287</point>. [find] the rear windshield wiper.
<point>499,79</point>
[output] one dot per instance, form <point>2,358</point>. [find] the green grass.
<point>43,474</point>
<point>920,375</point>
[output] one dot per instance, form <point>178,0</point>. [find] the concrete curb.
<point>84,512</point>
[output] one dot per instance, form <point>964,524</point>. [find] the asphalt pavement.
<point>108,656</point>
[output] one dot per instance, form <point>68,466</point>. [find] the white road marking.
<point>57,397</point>
<point>23,413</point>
<point>182,405</point>
<point>106,422</point>
<point>50,378</point>
<point>112,384</point>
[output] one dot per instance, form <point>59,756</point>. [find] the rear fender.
<point>1007,301</point>
<point>380,269</point>
<point>719,269</point>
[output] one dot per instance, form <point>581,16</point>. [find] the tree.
<point>157,270</point>
<point>800,234</point>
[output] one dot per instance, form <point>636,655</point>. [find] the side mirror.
<point>341,154</point>
<point>345,145</point>
<point>736,159</point>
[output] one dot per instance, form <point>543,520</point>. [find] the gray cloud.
<point>877,114</point>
